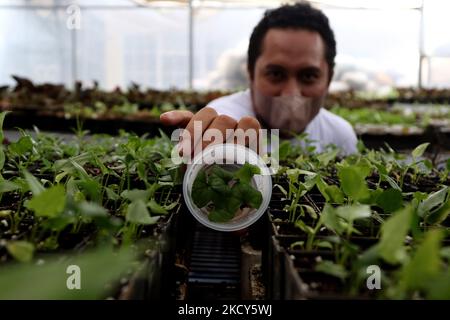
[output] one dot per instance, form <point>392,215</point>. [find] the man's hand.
<point>209,119</point>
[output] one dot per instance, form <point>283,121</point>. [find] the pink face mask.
<point>287,113</point>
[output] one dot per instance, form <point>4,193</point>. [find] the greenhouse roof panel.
<point>369,4</point>
<point>365,4</point>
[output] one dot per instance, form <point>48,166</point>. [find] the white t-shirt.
<point>326,128</point>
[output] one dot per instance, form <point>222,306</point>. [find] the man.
<point>290,64</point>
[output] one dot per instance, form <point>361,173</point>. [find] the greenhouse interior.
<point>123,175</point>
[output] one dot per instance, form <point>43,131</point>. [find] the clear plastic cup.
<point>231,157</point>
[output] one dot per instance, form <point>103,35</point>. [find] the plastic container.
<point>230,156</point>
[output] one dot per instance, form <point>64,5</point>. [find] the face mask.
<point>287,113</point>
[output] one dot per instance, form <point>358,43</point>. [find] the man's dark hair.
<point>297,16</point>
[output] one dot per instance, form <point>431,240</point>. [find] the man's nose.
<point>291,88</point>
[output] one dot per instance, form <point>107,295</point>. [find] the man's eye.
<point>309,77</point>
<point>275,75</point>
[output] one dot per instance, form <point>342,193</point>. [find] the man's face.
<point>292,63</point>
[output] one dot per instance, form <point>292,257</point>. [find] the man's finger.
<point>178,118</point>
<point>202,118</point>
<point>217,131</point>
<point>247,132</point>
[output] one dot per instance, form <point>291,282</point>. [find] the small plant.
<point>96,189</point>
<point>226,194</point>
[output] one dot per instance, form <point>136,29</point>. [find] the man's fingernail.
<point>167,115</point>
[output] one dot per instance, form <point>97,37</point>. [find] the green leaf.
<point>393,233</point>
<point>223,174</point>
<point>80,170</point>
<point>155,208</point>
<point>247,195</point>
<point>22,183</point>
<point>433,201</point>
<point>391,182</point>
<point>304,227</point>
<point>2,157</point>
<point>354,212</point>
<point>390,200</point>
<point>228,192</point>
<point>353,183</point>
<point>283,190</point>
<point>220,215</point>
<point>92,209</point>
<point>330,219</point>
<point>324,245</point>
<point>425,264</point>
<point>136,194</point>
<point>153,188</point>
<point>141,171</point>
<point>325,158</point>
<point>2,119</point>
<point>294,173</point>
<point>439,288</point>
<point>33,183</point>
<point>8,186</point>
<point>111,194</point>
<point>68,164</point>
<point>381,168</point>
<point>440,214</point>
<point>49,203</point>
<point>231,204</point>
<point>246,172</point>
<point>364,167</point>
<point>332,269</point>
<point>51,243</point>
<point>428,164</point>
<point>296,244</point>
<point>91,188</point>
<point>322,186</point>
<point>100,270</point>
<point>218,184</point>
<point>372,199</point>
<point>137,212</point>
<point>419,150</point>
<point>58,224</point>
<point>445,253</point>
<point>171,206</point>
<point>310,182</point>
<point>59,177</point>
<point>312,213</point>
<point>201,193</point>
<point>5,213</point>
<point>419,196</point>
<point>360,146</point>
<point>334,194</point>
<point>20,250</point>
<point>23,145</point>
<point>284,150</point>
